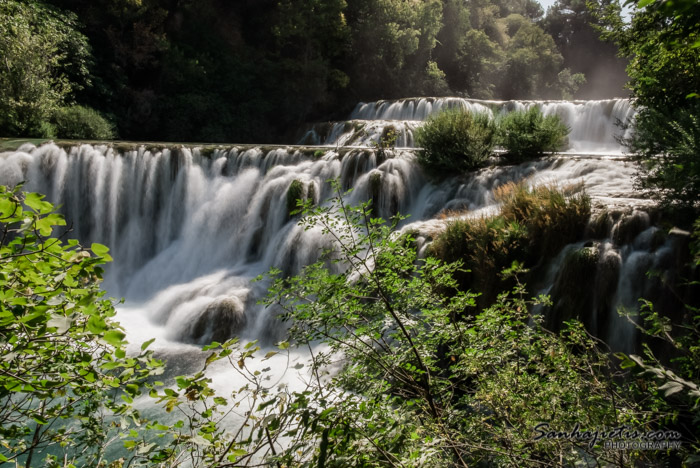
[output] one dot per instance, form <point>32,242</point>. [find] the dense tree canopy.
<point>663,43</point>
<point>44,63</point>
<point>213,70</point>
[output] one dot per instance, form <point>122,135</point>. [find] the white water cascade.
<point>596,126</point>
<point>189,232</point>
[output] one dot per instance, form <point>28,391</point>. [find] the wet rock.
<point>629,227</point>
<point>572,293</point>
<point>220,321</point>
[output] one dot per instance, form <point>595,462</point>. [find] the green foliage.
<point>573,26</point>
<point>78,122</point>
<point>295,194</point>
<point>64,371</point>
<point>529,134</point>
<point>534,224</point>
<point>68,386</point>
<point>667,147</point>
<point>422,381</point>
<point>390,46</point>
<point>44,61</point>
<point>162,79</point>
<point>455,141</point>
<point>531,66</point>
<point>663,43</point>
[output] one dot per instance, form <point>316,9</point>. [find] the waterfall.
<point>189,229</point>
<point>596,126</point>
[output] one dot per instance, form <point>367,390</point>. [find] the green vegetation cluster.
<point>529,134</point>
<point>45,66</point>
<point>456,141</point>
<point>210,70</point>
<point>534,224</point>
<point>663,43</point>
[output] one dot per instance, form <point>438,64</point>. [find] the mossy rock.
<point>299,190</point>
<point>220,321</point>
<point>295,192</point>
<point>572,293</point>
<point>375,185</point>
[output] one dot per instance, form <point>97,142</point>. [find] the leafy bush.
<point>45,60</point>
<point>421,382</point>
<point>667,146</point>
<point>78,122</point>
<point>64,368</point>
<point>528,134</point>
<point>455,141</point>
<point>534,223</point>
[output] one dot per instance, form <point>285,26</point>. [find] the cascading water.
<point>189,232</point>
<point>596,126</point>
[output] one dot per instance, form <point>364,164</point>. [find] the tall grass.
<point>534,224</point>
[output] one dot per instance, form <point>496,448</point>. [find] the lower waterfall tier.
<point>189,231</point>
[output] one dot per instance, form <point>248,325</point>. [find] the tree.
<point>572,24</point>
<point>532,65</point>
<point>391,43</point>
<point>44,62</point>
<point>663,43</point>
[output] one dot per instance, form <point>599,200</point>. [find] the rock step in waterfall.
<point>596,126</point>
<point>190,229</point>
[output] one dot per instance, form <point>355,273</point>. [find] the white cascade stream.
<point>189,232</point>
<point>595,125</point>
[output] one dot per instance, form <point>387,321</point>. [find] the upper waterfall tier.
<point>596,126</point>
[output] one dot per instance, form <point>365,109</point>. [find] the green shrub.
<point>78,122</point>
<point>455,140</point>
<point>529,134</point>
<point>667,145</point>
<point>422,382</point>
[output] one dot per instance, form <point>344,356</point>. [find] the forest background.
<point>254,71</point>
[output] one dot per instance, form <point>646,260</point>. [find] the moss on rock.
<point>295,192</point>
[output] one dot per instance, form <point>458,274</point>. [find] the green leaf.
<point>114,337</point>
<point>35,202</point>
<point>146,344</point>
<point>39,419</point>
<point>236,454</point>
<point>99,249</point>
<point>643,3</point>
<point>96,325</point>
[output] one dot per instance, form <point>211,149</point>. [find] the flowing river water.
<point>189,228</point>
